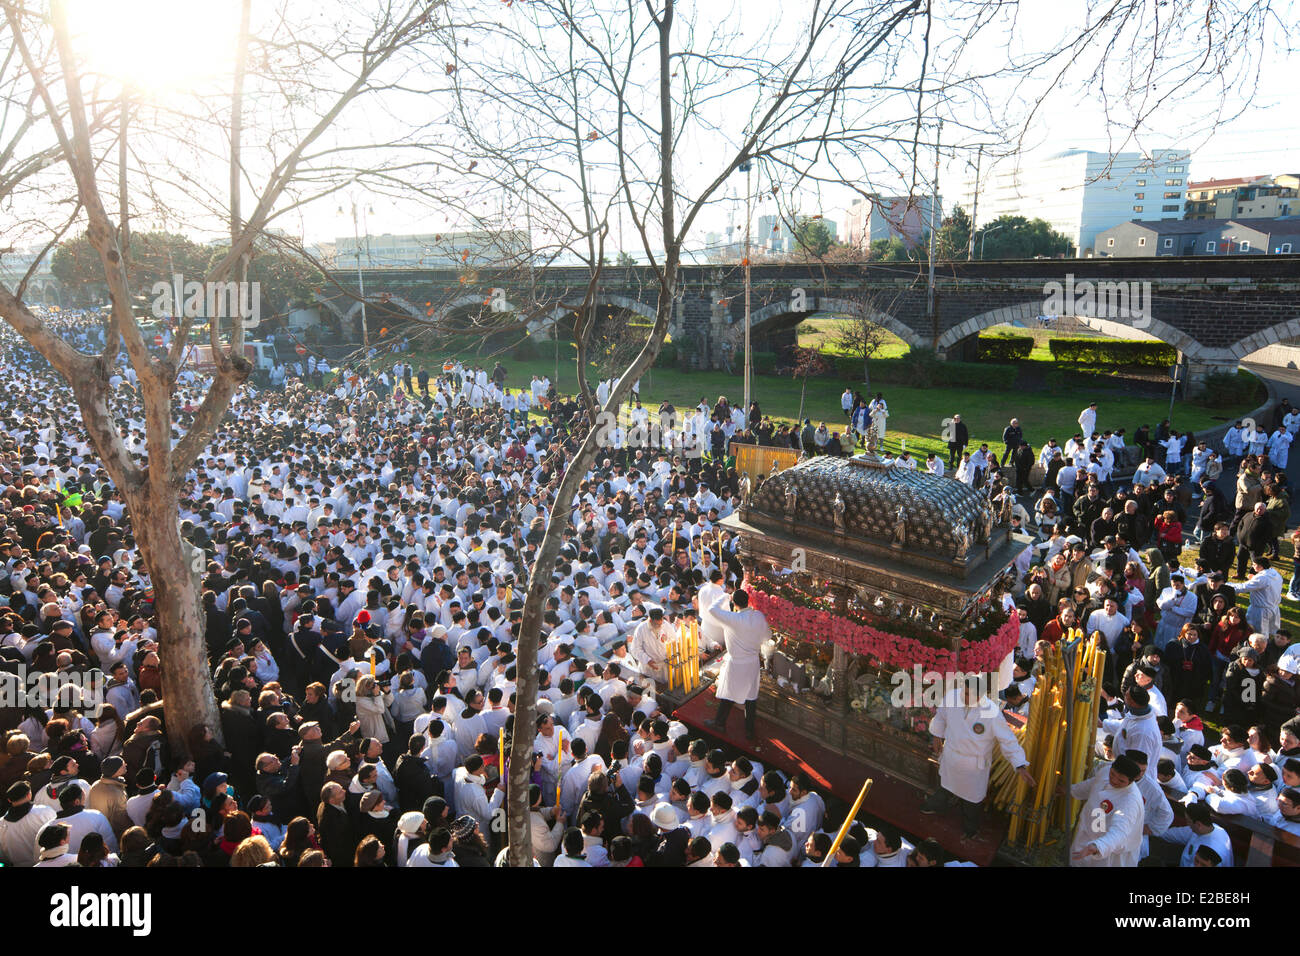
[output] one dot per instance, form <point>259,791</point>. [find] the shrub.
<point>525,351</point>
<point>920,368</point>
<point>1004,347</point>
<point>764,363</point>
<point>667,357</point>
<point>1085,350</point>
<point>1223,389</point>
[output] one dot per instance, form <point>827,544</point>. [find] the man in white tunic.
<point>1109,832</point>
<point>745,631</point>
<point>1265,588</point>
<point>965,732</point>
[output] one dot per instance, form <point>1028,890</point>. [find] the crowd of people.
<point>369,536</point>
<point>1185,638</point>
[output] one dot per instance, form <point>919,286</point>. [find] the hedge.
<point>667,357</point>
<point>1005,347</point>
<point>525,351</point>
<point>1223,389</point>
<point>921,369</point>
<point>1092,351</point>
<point>763,363</point>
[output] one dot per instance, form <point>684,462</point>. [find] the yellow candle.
<point>674,551</point>
<point>501,754</point>
<point>509,594</point>
<point>372,662</point>
<point>559,762</point>
<point>848,822</point>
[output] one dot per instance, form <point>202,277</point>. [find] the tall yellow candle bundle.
<point>695,653</point>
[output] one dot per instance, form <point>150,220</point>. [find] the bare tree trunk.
<point>186,684</point>
<point>519,828</point>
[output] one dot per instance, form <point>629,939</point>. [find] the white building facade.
<point>1081,192</point>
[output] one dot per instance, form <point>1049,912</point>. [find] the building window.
<point>1211,246</point>
<point>1137,208</point>
<point>1173,195</point>
<point>1142,240</point>
<point>1174,208</point>
<point>1110,242</point>
<point>1141,182</point>
<point>1173,182</point>
<point>1174,169</point>
<point>1245,246</point>
<point>1286,248</point>
<point>1169,244</point>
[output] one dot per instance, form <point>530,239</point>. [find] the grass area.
<point>916,414</point>
<point>819,333</point>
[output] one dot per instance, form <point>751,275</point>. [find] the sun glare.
<point>155,45</point>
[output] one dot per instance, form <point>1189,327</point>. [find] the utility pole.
<point>361,287</point>
<point>974,206</point>
<point>934,229</point>
<point>747,166</point>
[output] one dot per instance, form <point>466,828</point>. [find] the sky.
<point>171,44</point>
<point>1265,139</point>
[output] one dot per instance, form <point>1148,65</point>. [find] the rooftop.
<point>1225,183</point>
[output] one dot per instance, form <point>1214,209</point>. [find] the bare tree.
<point>570,77</point>
<point>806,362</point>
<point>584,109</point>
<point>859,336</point>
<point>62,102</point>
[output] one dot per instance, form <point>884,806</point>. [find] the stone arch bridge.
<point>1215,311</point>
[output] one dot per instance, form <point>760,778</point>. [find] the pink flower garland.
<point>890,650</point>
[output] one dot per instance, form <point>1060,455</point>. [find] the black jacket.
<point>671,850</point>
<point>1218,554</point>
<point>414,783</point>
<point>1188,667</point>
<point>337,835</point>
<point>1255,533</point>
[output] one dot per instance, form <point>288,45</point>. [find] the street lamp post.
<point>984,235</point>
<point>745,167</point>
<point>361,282</point>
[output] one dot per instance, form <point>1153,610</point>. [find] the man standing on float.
<point>745,631</point>
<point>965,731</point>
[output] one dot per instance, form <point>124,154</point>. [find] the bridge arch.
<point>1288,329</point>
<point>376,300</point>
<point>543,324</point>
<point>1026,315</point>
<point>774,313</point>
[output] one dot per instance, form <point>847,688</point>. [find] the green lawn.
<point>819,334</point>
<point>916,414</point>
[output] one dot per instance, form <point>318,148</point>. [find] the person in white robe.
<point>1109,831</point>
<point>745,631</point>
<point>966,730</point>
